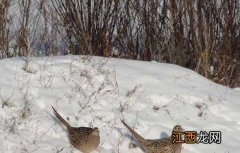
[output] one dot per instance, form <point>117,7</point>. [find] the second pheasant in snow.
<point>163,145</point>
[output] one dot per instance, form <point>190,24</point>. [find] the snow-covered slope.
<point>151,97</point>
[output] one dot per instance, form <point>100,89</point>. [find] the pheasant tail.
<point>135,134</point>
<point>64,122</point>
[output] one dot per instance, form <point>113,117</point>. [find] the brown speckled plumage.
<point>163,145</point>
<point>85,139</point>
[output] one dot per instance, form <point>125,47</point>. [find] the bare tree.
<point>89,24</point>
<point>23,31</point>
<point>198,34</point>
<point>4,29</point>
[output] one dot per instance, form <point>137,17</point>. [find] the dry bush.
<point>198,34</point>
<point>25,111</point>
<point>89,24</point>
<point>5,21</point>
<point>205,37</point>
<point>6,101</point>
<point>193,34</point>
<point>90,82</point>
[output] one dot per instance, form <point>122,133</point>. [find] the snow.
<point>93,91</point>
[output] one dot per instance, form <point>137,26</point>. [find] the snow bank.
<point>94,91</point>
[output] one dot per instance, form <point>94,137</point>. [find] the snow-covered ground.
<point>151,97</point>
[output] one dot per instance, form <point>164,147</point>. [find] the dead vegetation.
<point>200,35</point>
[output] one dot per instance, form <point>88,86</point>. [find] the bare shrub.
<point>89,24</point>
<point>46,74</point>
<point>200,35</point>
<point>5,21</point>
<point>89,82</point>
<point>23,36</point>
<point>25,111</point>
<point>10,125</point>
<point>6,101</point>
<point>24,104</point>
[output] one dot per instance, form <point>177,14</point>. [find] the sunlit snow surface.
<point>92,91</point>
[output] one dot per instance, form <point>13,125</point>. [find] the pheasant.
<point>164,145</point>
<point>85,139</point>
